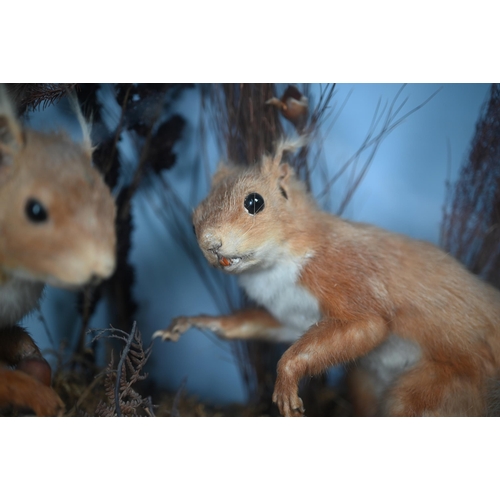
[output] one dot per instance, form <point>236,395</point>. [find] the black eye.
<point>35,211</point>
<point>254,203</point>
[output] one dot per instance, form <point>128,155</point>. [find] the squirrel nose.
<point>211,242</point>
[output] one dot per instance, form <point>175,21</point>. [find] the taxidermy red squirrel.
<point>420,333</point>
<point>57,227</point>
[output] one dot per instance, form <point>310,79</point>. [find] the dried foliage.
<point>246,127</point>
<point>471,223</point>
<point>122,398</point>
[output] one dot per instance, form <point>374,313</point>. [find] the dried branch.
<point>370,145</point>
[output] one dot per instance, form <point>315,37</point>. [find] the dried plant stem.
<point>119,369</point>
<point>118,132</point>
<point>122,399</point>
<point>175,405</point>
<point>86,393</point>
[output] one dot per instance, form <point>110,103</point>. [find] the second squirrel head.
<point>57,215</point>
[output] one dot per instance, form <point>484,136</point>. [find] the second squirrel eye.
<point>35,211</point>
<point>254,203</point>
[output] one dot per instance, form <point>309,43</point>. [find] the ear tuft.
<point>289,145</point>
<point>84,124</point>
<point>11,132</point>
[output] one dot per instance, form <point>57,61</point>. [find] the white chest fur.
<point>276,289</point>
<point>17,298</point>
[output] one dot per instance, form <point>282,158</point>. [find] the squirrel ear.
<point>274,169</point>
<point>222,171</point>
<point>85,125</point>
<point>11,132</point>
<point>285,173</point>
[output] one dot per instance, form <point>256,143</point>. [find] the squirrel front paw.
<point>288,401</point>
<point>174,330</point>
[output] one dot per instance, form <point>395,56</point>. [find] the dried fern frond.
<point>122,398</point>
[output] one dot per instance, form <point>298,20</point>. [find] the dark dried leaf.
<point>160,155</point>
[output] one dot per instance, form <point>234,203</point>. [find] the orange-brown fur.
<point>29,385</point>
<point>370,284</point>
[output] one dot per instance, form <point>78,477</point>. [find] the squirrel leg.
<point>327,343</point>
<point>27,386</point>
<point>21,390</point>
<point>255,324</point>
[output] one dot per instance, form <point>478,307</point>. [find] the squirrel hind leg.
<point>435,389</point>
<point>16,344</point>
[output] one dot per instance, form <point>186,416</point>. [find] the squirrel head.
<point>56,213</point>
<point>248,219</point>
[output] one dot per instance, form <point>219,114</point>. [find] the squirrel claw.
<point>174,331</point>
<point>289,405</point>
<point>166,335</point>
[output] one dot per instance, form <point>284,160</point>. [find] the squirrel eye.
<point>254,203</point>
<point>35,211</point>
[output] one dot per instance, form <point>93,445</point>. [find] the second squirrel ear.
<point>11,132</point>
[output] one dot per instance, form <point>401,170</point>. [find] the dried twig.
<point>370,145</point>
